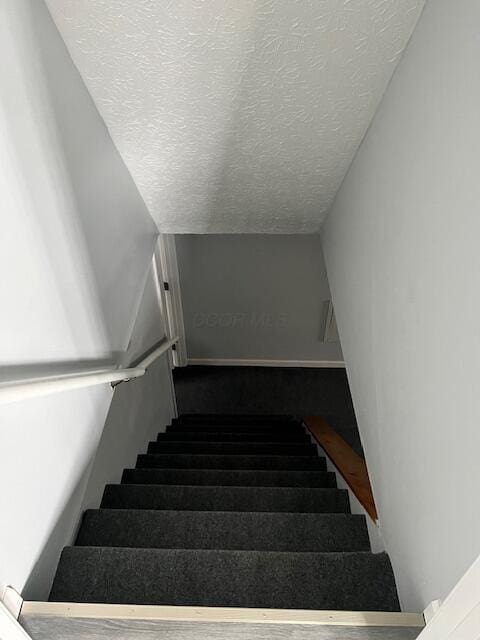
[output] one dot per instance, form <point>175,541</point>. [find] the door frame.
<point>171,295</point>
<point>458,617</point>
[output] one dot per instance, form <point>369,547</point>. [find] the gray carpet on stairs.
<point>237,448</point>
<point>228,477</point>
<point>203,461</point>
<point>224,530</point>
<point>347,581</point>
<point>308,500</point>
<point>229,522</point>
<point>261,435</point>
<point>267,390</point>
<point>256,420</point>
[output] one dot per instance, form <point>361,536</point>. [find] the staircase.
<point>227,511</point>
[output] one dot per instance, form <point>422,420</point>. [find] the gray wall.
<point>254,297</point>
<point>139,409</point>
<point>401,247</point>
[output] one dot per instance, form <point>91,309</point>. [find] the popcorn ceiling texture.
<point>236,115</point>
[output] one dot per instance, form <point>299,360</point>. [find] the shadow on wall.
<point>137,412</point>
<point>47,445</point>
<point>38,584</point>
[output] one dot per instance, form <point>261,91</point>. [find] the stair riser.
<point>358,581</point>
<point>214,418</point>
<point>223,530</point>
<point>276,428</point>
<point>227,511</point>
<point>230,478</point>
<point>177,461</point>
<point>235,436</point>
<point>234,448</point>
<point>171,497</point>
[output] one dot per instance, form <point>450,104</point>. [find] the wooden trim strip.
<point>349,464</point>
<point>222,614</point>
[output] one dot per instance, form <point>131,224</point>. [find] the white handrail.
<point>15,390</point>
<point>156,353</point>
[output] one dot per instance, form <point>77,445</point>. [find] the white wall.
<point>58,452</point>
<point>401,247</point>
<point>75,251</point>
<point>76,237</point>
<point>254,297</point>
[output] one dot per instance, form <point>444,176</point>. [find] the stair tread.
<point>228,477</point>
<point>224,530</point>
<point>212,498</point>
<point>235,448</point>
<point>352,581</point>
<point>236,418</point>
<point>227,510</point>
<point>215,461</point>
<point>218,426</point>
<point>237,436</point>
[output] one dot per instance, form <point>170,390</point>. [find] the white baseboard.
<point>241,362</point>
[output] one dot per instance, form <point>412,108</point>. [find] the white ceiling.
<point>236,115</point>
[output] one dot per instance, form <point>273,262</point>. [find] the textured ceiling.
<point>236,115</point>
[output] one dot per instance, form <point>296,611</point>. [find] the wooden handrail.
<point>349,464</point>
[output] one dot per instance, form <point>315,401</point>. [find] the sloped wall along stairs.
<point>227,511</point>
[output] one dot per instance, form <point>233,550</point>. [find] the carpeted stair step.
<point>235,419</point>
<point>227,477</point>
<point>197,461</point>
<point>234,436</point>
<point>223,530</point>
<point>207,498</point>
<point>355,581</point>
<point>227,511</point>
<point>234,448</point>
<point>216,426</point>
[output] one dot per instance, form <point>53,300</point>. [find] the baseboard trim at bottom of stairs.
<point>245,362</point>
